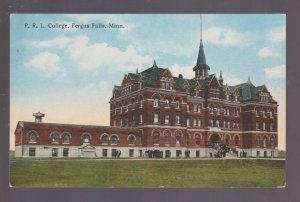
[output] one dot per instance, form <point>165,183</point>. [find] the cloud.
<point>276,72</point>
<point>45,62</point>
<point>103,56</point>
<point>267,52</point>
<point>58,42</point>
<point>277,34</point>
<point>226,37</point>
<point>186,71</point>
<point>231,79</point>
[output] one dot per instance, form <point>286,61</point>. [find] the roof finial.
<point>154,64</point>
<point>137,70</point>
<point>249,81</point>
<point>201,27</point>
<point>221,78</point>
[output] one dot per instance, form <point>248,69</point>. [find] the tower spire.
<point>201,68</point>
<point>201,28</point>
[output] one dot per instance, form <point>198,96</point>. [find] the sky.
<point>66,68</point>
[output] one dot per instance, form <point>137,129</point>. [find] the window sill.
<point>32,142</point>
<point>105,144</point>
<point>65,143</point>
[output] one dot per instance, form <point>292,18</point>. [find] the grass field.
<point>147,173</point>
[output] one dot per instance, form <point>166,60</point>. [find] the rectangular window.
<point>31,151</point>
<point>178,153</point>
<point>168,154</point>
<point>257,125</point>
<point>187,107</point>
<point>271,126</point>
<point>167,118</point>
<point>177,119</point>
<point>257,153</point>
<point>104,152</point>
<point>197,153</point>
<point>54,152</point>
<point>195,122</point>
<point>114,122</point>
<point>188,122</point>
<point>113,152</point>
<point>65,152</point>
<point>155,118</point>
<point>131,152</point>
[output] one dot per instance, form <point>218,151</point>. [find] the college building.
<point>155,114</point>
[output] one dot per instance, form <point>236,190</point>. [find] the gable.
<point>167,73</point>
<point>126,81</point>
<point>214,83</point>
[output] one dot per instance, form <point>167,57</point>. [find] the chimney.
<point>180,76</point>
<point>38,117</point>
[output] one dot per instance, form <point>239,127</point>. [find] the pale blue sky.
<point>52,67</point>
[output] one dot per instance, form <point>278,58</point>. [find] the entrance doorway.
<point>215,138</point>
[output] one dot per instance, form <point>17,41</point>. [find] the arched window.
<point>197,140</point>
<point>131,139</point>
<point>167,138</point>
<point>227,140</point>
<point>236,141</point>
<point>104,139</point>
<point>177,104</point>
<point>155,138</point>
<point>167,103</point>
<point>66,138</point>
<point>177,139</point>
<point>257,141</point>
<point>32,137</point>
<point>155,102</point>
<point>54,138</point>
<point>113,139</point>
<point>86,138</point>
<point>272,141</point>
<point>217,123</point>
<point>265,141</point>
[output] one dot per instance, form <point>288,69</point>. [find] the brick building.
<point>156,114</point>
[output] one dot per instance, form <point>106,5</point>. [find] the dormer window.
<point>167,83</point>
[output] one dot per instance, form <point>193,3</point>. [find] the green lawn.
<point>147,173</point>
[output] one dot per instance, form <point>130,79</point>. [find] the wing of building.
<point>154,113</point>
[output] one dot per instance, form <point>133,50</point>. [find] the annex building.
<point>154,113</point>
